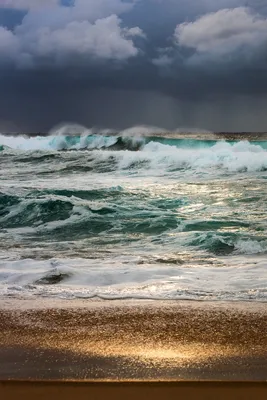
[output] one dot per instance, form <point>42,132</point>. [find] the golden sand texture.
<point>134,341</point>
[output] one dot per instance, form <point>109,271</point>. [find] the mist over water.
<point>140,213</point>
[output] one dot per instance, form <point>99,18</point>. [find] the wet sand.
<point>133,390</point>
<point>165,341</point>
<point>97,350</point>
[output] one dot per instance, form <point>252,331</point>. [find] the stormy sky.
<point>118,63</point>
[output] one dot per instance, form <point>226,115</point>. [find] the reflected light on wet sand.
<point>153,353</point>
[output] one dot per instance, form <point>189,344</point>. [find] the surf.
<point>149,153</point>
<point>131,215</point>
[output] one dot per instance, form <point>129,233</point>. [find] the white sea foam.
<point>122,278</point>
<point>24,143</point>
<point>238,157</point>
<point>251,247</point>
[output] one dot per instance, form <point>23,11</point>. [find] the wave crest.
<point>156,153</point>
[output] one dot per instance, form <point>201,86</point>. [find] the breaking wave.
<point>124,152</point>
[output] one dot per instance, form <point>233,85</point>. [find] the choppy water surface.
<point>125,217</point>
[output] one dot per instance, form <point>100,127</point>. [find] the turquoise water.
<point>131,217</point>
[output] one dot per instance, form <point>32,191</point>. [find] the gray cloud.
<point>27,4</point>
<point>90,29</point>
<point>162,61</point>
<point>224,35</point>
<point>115,63</point>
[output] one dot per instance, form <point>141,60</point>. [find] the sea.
<point>138,214</point>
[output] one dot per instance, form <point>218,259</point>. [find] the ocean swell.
<point>133,216</point>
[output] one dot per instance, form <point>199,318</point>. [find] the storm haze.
<point>115,64</point>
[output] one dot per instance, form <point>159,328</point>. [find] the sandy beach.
<point>135,349</point>
<point>133,340</point>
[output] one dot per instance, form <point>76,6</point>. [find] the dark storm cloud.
<point>116,63</point>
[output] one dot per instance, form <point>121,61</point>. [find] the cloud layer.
<point>52,33</point>
<point>201,53</point>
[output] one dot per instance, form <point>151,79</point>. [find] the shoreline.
<point>24,304</point>
<point>132,340</point>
